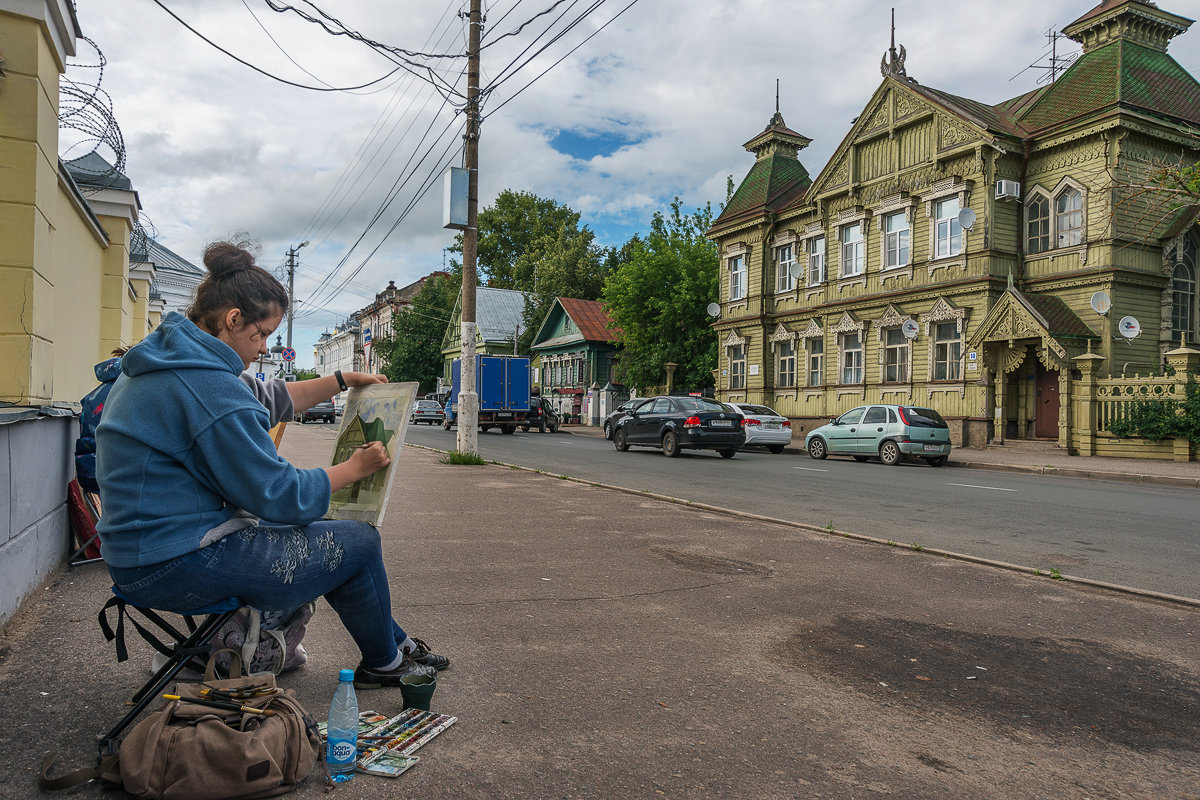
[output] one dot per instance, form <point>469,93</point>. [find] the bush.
<point>1155,420</point>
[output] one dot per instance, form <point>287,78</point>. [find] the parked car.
<point>541,415</point>
<point>619,412</point>
<point>765,427</point>
<point>892,433</point>
<point>427,411</point>
<point>681,423</point>
<point>321,412</point>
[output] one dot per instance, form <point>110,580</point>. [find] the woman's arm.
<point>306,394</point>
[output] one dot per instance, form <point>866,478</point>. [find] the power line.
<point>213,44</point>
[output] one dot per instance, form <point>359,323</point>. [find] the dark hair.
<point>235,281</point>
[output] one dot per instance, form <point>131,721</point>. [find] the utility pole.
<point>292,253</point>
<point>468,398</point>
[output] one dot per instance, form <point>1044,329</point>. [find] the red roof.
<point>594,322</point>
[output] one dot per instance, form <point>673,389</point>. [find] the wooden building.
<point>949,252</point>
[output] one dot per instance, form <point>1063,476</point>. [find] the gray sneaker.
<point>367,678</point>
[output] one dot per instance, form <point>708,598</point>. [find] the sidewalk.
<point>606,645</point>
<point>1018,458</point>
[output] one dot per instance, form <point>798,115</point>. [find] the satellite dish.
<point>1101,303</point>
<point>714,310</point>
<point>1129,327</point>
<point>966,218</point>
<point>795,270</point>
<point>910,329</point>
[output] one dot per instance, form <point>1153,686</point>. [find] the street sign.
<point>262,376</point>
<point>366,335</point>
<point>288,354</point>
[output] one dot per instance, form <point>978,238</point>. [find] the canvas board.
<point>375,413</point>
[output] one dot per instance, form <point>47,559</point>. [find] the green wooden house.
<point>576,347</point>
<point>498,322</point>
<point>952,252</point>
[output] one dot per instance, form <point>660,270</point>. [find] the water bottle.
<point>341,732</point>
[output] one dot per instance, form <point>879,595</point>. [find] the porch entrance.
<point>1045,414</point>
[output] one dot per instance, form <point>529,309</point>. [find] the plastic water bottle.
<point>341,732</point>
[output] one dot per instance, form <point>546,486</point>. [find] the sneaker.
<point>423,656</point>
<point>367,678</point>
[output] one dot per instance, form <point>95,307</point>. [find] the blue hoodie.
<point>183,445</point>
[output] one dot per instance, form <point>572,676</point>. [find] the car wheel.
<point>525,428</point>
<point>861,459</point>
<point>817,449</point>
<point>619,441</point>
<point>937,461</point>
<point>728,452</point>
<point>554,428</point>
<point>445,424</point>
<point>670,444</point>
<point>889,453</point>
<point>607,429</point>
<point>508,429</point>
<point>775,448</point>
<point>542,428</point>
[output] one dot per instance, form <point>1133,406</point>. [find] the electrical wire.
<point>213,44</point>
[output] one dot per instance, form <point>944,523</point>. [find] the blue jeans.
<point>273,566</point>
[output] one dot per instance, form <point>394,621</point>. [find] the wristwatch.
<point>337,373</point>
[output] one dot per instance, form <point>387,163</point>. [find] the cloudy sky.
<point>655,105</point>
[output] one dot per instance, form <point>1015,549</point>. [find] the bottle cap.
<point>346,675</point>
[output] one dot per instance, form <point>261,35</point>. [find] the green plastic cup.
<point>417,690</point>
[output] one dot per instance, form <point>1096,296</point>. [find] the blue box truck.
<point>503,386</point>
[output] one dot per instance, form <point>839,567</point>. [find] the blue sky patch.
<point>587,144</point>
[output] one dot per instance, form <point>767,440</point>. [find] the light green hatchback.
<point>891,433</point>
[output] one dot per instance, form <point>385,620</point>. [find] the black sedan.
<point>619,412</point>
<point>681,423</point>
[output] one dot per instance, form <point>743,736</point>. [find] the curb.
<point>1117,588</point>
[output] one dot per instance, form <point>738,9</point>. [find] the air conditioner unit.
<point>1008,190</point>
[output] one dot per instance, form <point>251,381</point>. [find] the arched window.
<point>1068,217</point>
<point>1037,222</point>
<point>1183,300</point>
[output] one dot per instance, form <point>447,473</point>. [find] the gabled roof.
<point>498,313</point>
<point>591,319</point>
<point>1058,317</point>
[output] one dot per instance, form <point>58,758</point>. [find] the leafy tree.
<point>306,374</point>
<point>413,352</point>
<point>569,264</point>
<point>659,298</point>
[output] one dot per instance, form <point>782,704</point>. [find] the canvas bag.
<point>265,644</point>
<point>191,752</point>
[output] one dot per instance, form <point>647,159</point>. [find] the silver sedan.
<point>764,427</point>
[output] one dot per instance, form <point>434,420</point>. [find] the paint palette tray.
<point>387,747</point>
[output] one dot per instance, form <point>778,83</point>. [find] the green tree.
<point>413,352</point>
<point>567,264</point>
<point>306,374</point>
<point>659,297</point>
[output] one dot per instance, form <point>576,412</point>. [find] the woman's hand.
<point>363,378</point>
<point>366,460</point>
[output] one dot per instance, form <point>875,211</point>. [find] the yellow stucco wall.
<point>78,257</point>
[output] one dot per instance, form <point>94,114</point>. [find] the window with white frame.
<point>947,352</point>
<point>784,259</point>
<point>948,230</point>
<point>785,363</point>
<point>895,240</point>
<point>895,356</point>
<point>816,261</point>
<point>737,278</point>
<point>1068,217</point>
<point>1037,224</point>
<point>852,358</point>
<point>816,362</point>
<point>737,366</point>
<point>852,250</point>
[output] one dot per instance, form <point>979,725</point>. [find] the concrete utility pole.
<point>291,254</point>
<point>468,398</point>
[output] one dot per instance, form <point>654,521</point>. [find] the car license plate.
<point>504,414</point>
<point>772,426</point>
<point>935,447</point>
<point>720,423</point>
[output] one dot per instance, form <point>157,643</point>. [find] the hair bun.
<point>227,258</point>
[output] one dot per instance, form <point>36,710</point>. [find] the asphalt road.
<point>1131,534</point>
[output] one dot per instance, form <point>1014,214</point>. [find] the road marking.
<point>973,486</point>
<point>811,469</point>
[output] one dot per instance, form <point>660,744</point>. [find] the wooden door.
<point>1045,415</point>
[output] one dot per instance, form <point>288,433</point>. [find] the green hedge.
<point>1155,420</point>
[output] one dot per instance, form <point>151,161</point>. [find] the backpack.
<point>187,751</point>
<point>267,641</point>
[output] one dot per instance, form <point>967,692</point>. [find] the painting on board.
<point>376,413</point>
